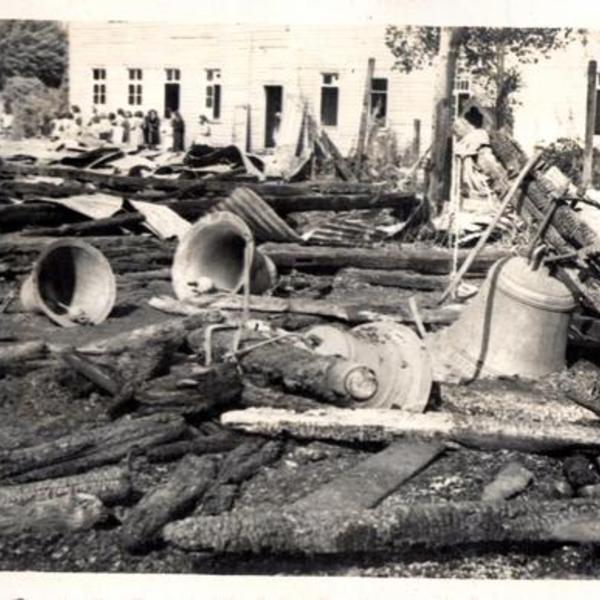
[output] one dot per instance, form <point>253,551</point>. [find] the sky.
<point>574,13</point>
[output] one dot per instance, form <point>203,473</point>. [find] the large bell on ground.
<point>72,283</point>
<point>211,256</point>
<point>394,352</point>
<point>517,325</point>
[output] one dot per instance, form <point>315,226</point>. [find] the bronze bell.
<point>516,325</point>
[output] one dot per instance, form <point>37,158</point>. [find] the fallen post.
<point>216,443</point>
<point>96,227</point>
<point>179,493</point>
<point>416,258</point>
<point>383,425</point>
<point>217,387</point>
<point>385,530</point>
<point>139,338</point>
<point>110,484</point>
<point>355,314</point>
<point>84,450</point>
<point>73,512</point>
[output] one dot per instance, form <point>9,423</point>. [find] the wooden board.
<point>371,480</point>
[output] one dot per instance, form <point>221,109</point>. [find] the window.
<point>462,92</point>
<point>173,74</point>
<point>379,91</point>
<point>135,94</point>
<point>329,99</point>
<point>99,88</point>
<point>134,90</point>
<point>213,92</point>
<point>462,86</point>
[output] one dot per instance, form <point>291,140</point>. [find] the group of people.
<point>127,128</point>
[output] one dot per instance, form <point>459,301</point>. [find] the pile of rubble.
<point>225,327</point>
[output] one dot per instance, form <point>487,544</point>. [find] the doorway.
<point>273,106</point>
<point>171,98</point>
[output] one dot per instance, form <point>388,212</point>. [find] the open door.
<point>273,108</point>
<point>171,98</point>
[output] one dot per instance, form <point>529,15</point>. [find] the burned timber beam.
<point>422,259</point>
<point>388,529</point>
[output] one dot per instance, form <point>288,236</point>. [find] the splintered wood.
<point>381,425</point>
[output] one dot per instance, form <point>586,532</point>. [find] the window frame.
<point>376,94</point>
<point>213,92</point>
<point>330,87</point>
<point>173,74</point>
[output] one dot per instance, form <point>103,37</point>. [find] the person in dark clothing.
<point>152,129</point>
<point>178,125</point>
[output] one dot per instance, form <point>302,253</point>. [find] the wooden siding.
<point>551,103</point>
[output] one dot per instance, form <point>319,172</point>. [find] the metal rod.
<point>486,234</point>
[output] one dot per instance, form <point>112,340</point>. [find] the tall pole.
<point>590,124</point>
<point>439,176</point>
<point>364,115</point>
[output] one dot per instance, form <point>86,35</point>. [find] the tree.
<point>33,49</point>
<point>33,104</point>
<point>491,54</point>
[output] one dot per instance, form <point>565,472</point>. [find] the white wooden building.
<point>241,76</point>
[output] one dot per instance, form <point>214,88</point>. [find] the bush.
<point>33,104</point>
<point>567,155</point>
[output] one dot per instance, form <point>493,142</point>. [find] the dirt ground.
<point>49,403</point>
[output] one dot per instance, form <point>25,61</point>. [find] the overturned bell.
<point>212,255</point>
<point>394,352</point>
<point>72,283</point>
<point>517,325</point>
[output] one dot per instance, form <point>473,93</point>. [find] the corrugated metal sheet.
<point>264,222</point>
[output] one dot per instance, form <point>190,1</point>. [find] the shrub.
<point>33,104</point>
<point>567,155</point>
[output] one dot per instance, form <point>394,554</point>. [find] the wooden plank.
<point>381,425</point>
<point>371,480</point>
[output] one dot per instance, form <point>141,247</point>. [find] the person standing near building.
<point>152,129</point>
<point>136,132</point>
<point>127,127</point>
<point>178,126</point>
<point>203,137</point>
<point>166,133</point>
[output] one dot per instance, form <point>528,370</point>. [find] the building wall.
<point>551,102</point>
<point>249,58</point>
